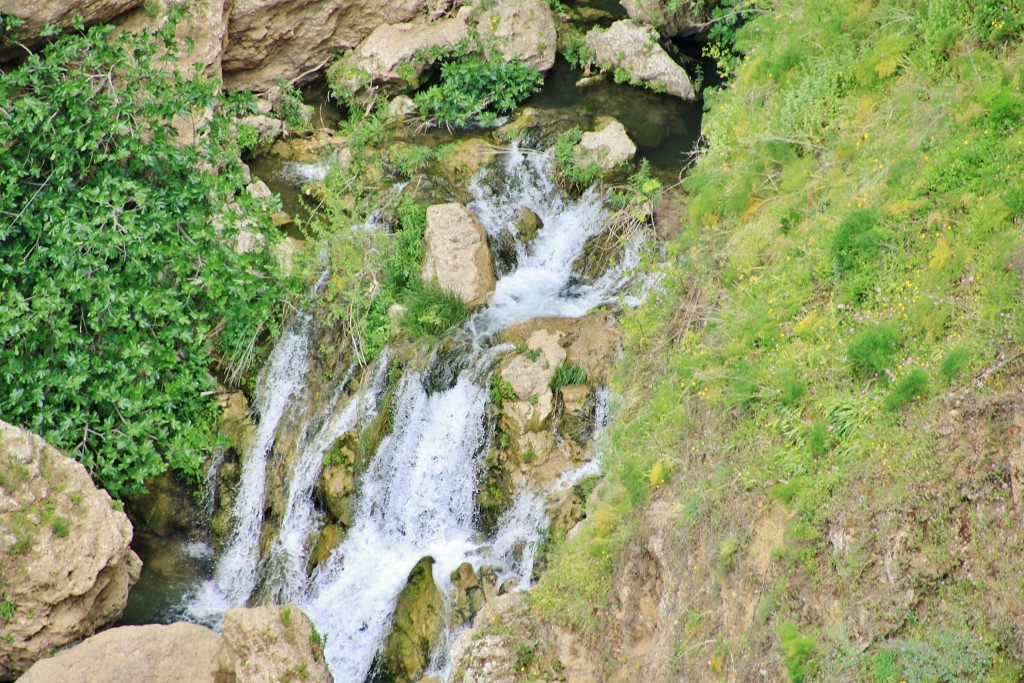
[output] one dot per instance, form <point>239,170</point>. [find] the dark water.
<point>170,567</point>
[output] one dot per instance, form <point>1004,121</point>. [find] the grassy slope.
<point>838,339</point>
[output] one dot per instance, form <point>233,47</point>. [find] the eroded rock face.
<point>523,29</point>
<point>201,34</point>
<point>145,654</point>
<point>38,14</point>
<point>65,561</point>
<point>635,50</point>
<point>456,253</point>
<point>417,627</point>
<point>271,38</point>
<point>607,147</point>
<point>671,19</point>
<point>274,643</point>
<point>386,58</point>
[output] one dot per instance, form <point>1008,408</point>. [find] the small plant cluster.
<point>121,297</point>
<point>476,86</point>
<point>572,173</point>
<point>568,374</point>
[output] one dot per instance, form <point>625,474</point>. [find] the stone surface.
<point>274,643</point>
<point>37,14</point>
<point>268,130</point>
<point>530,375</point>
<point>272,38</point>
<point>592,342</point>
<point>386,58</point>
<point>456,253</point>
<point>417,627</point>
<point>671,18</point>
<point>201,34</point>
<point>65,561</point>
<point>608,146</point>
<point>402,106</point>
<point>469,596</point>
<point>141,654</point>
<point>635,49</point>
<point>523,29</point>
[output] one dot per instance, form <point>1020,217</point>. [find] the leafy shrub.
<point>954,363</point>
<point>870,351</point>
<point>476,88</point>
<point>501,391</point>
<point>120,292</point>
<point>568,374</point>
<point>290,105</point>
<point>947,657</point>
<point>909,387</point>
<point>796,652</point>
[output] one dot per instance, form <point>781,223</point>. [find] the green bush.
<point>121,296</point>
<point>909,387</point>
<point>870,352</point>
<point>947,657</point>
<point>856,241</point>
<point>476,88</point>
<point>565,164</point>
<point>501,390</point>
<point>431,312</point>
<point>796,652</point>
<point>954,363</point>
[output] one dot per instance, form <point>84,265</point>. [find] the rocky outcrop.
<point>65,561</point>
<point>635,50</point>
<point>608,146</point>
<point>37,15</point>
<point>273,643</point>
<point>144,654</point>
<point>268,643</point>
<point>417,627</point>
<point>521,29</point>
<point>456,253</point>
<point>201,34</point>
<point>671,18</point>
<point>272,38</point>
<point>394,56</point>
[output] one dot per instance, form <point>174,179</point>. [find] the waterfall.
<point>417,496</point>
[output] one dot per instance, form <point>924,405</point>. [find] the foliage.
<point>912,385</point>
<point>119,288</point>
<point>870,351</point>
<point>501,391</point>
<point>477,85</point>
<point>568,374</point>
<point>796,652</point>
<point>568,169</point>
<point>947,657</point>
<point>290,105</point>
<point>954,363</point>
<point>431,312</point>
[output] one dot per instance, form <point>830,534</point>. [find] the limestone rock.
<point>268,130</point>
<point>527,224</point>
<point>330,537</point>
<point>201,34</point>
<point>635,50</point>
<point>530,375</point>
<point>469,592</point>
<point>387,57</point>
<point>401,107</point>
<point>592,342</point>
<point>274,643</point>
<point>456,253</point>
<point>607,147</point>
<point>418,623</point>
<point>143,654</point>
<point>523,29</point>
<point>671,19</point>
<point>38,14</point>
<point>65,561</point>
<point>272,38</point>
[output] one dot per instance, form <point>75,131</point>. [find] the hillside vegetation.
<point>836,351</point>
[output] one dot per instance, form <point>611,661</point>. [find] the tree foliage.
<point>120,292</point>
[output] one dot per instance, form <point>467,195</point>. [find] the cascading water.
<point>417,495</point>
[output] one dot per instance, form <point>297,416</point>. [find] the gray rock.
<point>523,29</point>
<point>671,18</point>
<point>635,50</point>
<point>607,147</point>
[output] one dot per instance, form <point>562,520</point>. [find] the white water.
<point>417,496</point>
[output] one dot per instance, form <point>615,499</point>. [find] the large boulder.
<point>272,38</point>
<point>273,643</point>
<point>37,15</point>
<point>144,654</point>
<point>670,17</point>
<point>635,50</point>
<point>456,253</point>
<point>394,56</point>
<point>608,146</point>
<point>65,561</point>
<point>529,375</point>
<point>268,643</point>
<point>522,29</point>
<point>415,631</point>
